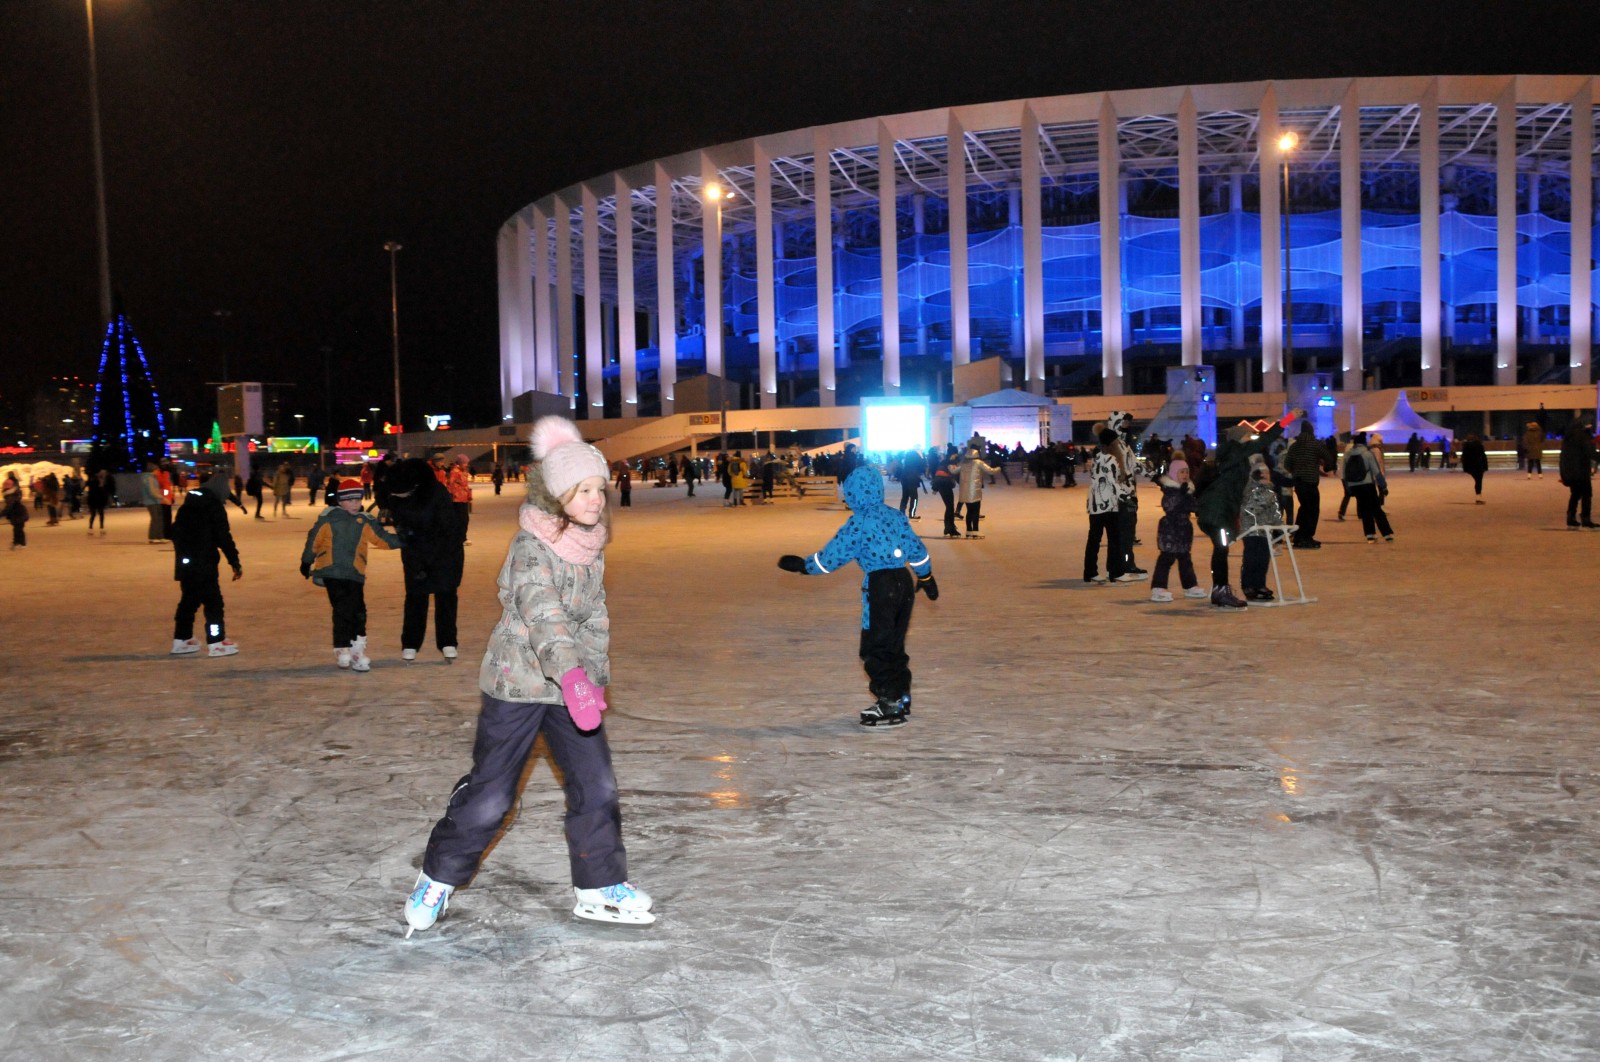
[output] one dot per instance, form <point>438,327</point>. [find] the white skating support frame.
<point>1281,535</point>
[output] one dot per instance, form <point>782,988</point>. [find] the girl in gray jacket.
<point>545,672</point>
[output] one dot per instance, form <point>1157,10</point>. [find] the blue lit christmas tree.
<point>128,426</point>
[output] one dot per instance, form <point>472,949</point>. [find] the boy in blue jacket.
<point>880,540</point>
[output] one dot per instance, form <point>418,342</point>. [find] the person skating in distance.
<point>545,672</point>
<point>879,539</point>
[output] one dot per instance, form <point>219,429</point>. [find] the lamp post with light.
<point>394,318</point>
<point>99,175</point>
<point>1287,142</point>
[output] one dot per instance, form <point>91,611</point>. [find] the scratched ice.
<point>1362,829</point>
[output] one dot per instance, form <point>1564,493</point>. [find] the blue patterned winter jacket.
<point>877,536</point>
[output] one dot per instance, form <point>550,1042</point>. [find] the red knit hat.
<point>350,489</point>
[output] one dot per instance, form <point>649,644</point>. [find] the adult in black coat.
<point>1474,462</point>
<point>199,533</point>
<point>431,552</point>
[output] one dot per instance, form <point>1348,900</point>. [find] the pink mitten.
<point>585,700</point>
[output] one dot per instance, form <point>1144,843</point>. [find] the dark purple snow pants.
<point>506,733</point>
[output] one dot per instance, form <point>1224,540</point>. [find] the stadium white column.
<point>594,344</point>
<point>506,281</point>
<point>822,200</point>
<point>666,294</point>
<point>545,377</point>
<point>956,203</point>
<point>1350,305</point>
<point>523,371</point>
<point>566,367</point>
<point>1032,253</point>
<point>1582,201</point>
<point>1271,157</point>
<point>627,306</point>
<point>766,312</point>
<point>1505,211</point>
<point>1110,251</point>
<point>1429,289</point>
<point>888,262</point>
<point>711,263</point>
<point>1189,229</point>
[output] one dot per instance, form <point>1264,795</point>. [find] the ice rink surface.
<point>1360,829</point>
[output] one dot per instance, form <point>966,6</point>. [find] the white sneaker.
<point>1161,595</point>
<point>449,652</point>
<point>359,661</point>
<point>1197,592</point>
<point>408,655</point>
<point>622,902</point>
<point>185,646</point>
<point>226,647</point>
<point>342,657</point>
<point>428,900</point>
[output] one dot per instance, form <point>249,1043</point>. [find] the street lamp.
<point>1287,142</point>
<point>299,424</point>
<point>394,317</point>
<point>174,410</point>
<point>99,175</point>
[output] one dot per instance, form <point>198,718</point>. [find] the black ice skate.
<point>885,713</point>
<point>1222,597</point>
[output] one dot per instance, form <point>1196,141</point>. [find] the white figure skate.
<point>428,900</point>
<point>622,902</point>
<point>359,660</point>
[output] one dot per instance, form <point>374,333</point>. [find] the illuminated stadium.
<point>1385,242</point>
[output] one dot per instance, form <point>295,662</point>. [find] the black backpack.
<point>1355,468</point>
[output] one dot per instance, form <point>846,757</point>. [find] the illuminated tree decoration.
<point>128,426</point>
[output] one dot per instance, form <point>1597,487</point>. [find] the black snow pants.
<point>349,601</point>
<point>891,593</point>
<point>199,590</point>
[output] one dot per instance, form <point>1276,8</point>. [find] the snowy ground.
<point>1360,829</point>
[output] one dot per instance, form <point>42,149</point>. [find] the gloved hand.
<point>305,569</point>
<point>929,587</point>
<point>791,563</point>
<point>585,700</point>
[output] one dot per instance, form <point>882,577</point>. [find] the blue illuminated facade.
<point>1420,232</point>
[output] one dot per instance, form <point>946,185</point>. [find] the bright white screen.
<point>891,428</point>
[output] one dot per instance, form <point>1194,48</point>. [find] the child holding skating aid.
<point>1175,534</point>
<point>545,672</point>
<point>879,539</point>
<point>1259,509</point>
<point>335,558</point>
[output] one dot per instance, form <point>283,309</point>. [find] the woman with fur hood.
<point>431,539</point>
<point>544,674</point>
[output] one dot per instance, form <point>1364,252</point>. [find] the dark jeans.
<point>349,601</point>
<point>1370,508</point>
<point>1579,495</point>
<point>891,593</point>
<point>974,514</point>
<point>1253,569</point>
<point>97,511</point>
<point>157,528</point>
<point>1103,524</point>
<point>19,537</point>
<point>199,590</point>
<point>949,497</point>
<point>478,806</point>
<point>1344,502</point>
<point>1309,495</point>
<point>416,619</point>
<point>1164,563</point>
<point>1477,482</point>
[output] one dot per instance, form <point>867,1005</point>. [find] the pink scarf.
<point>576,545</point>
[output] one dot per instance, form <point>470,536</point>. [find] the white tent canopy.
<point>1397,425</point>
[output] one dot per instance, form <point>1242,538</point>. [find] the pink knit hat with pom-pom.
<point>564,458</point>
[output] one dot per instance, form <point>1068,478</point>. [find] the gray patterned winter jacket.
<point>553,619</point>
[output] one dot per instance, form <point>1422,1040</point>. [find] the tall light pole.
<point>1287,142</point>
<point>394,317</point>
<point>99,175</point>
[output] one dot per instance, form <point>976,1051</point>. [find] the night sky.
<point>259,152</point>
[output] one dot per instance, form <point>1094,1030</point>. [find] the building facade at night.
<point>1412,232</point>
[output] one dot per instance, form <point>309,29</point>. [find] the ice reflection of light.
<point>730,798</point>
<point>1290,782</point>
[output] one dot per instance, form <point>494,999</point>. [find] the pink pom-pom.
<point>551,432</point>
